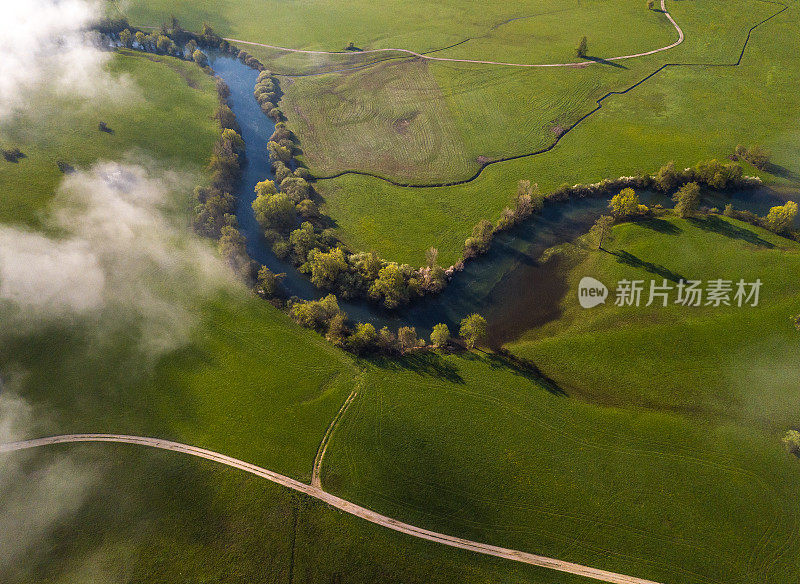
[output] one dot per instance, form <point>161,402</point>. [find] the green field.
<point>683,114</point>
<point>428,122</point>
<point>464,445</point>
<point>727,362</point>
<point>166,116</point>
<point>656,451</point>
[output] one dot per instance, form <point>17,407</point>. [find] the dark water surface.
<point>508,285</point>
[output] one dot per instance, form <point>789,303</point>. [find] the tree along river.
<point>508,285</point>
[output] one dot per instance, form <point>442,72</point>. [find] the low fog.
<point>114,260</point>
<point>36,493</point>
<point>46,49</point>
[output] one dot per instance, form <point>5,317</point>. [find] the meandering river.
<point>508,285</point>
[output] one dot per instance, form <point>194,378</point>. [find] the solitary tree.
<point>440,335</point>
<point>687,200</point>
<point>780,218</point>
<point>650,4</point>
<point>601,230</point>
<point>473,330</point>
<point>792,441</point>
<point>582,49</point>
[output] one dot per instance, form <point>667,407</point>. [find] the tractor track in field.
<point>335,502</point>
<point>580,120</point>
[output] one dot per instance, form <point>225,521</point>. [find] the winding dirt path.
<point>337,502</point>
<point>480,62</point>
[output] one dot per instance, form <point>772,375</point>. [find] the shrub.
<point>781,218</point>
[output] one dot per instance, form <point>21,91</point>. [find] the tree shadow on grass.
<point>505,359</point>
<point>603,61</point>
<point>782,172</point>
<point>423,363</point>
<point>660,226</point>
<point>716,225</point>
<point>629,259</point>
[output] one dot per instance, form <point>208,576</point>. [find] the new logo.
<point>591,292</point>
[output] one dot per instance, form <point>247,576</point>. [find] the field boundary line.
<point>583,118</point>
<point>335,502</point>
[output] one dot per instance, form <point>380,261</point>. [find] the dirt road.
<point>337,502</point>
<point>480,62</point>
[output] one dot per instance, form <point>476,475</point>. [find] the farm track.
<point>335,502</point>
<point>552,145</point>
<point>428,57</point>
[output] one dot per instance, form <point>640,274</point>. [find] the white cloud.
<point>117,261</point>
<point>45,47</point>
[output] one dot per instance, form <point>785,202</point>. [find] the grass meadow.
<point>660,455</point>
<point>166,116</point>
<point>684,114</point>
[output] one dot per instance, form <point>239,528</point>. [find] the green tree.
<point>407,337</point>
<point>274,211</point>
<point>473,330</point>
<point>265,188</point>
<point>125,37</point>
<point>625,204</point>
<point>267,282</point>
<point>387,340</point>
<point>601,230</point>
<point>326,267</point>
<point>440,335</point>
<point>781,218</point>
<point>792,441</point>
<point>666,178</point>
<point>296,188</point>
<point>200,57</point>
<point>391,285</point>
<point>583,48</point>
<point>303,240</point>
<point>163,44</point>
<point>316,313</point>
<point>481,239</point>
<point>308,209</point>
<point>363,338</point>
<point>687,200</point>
